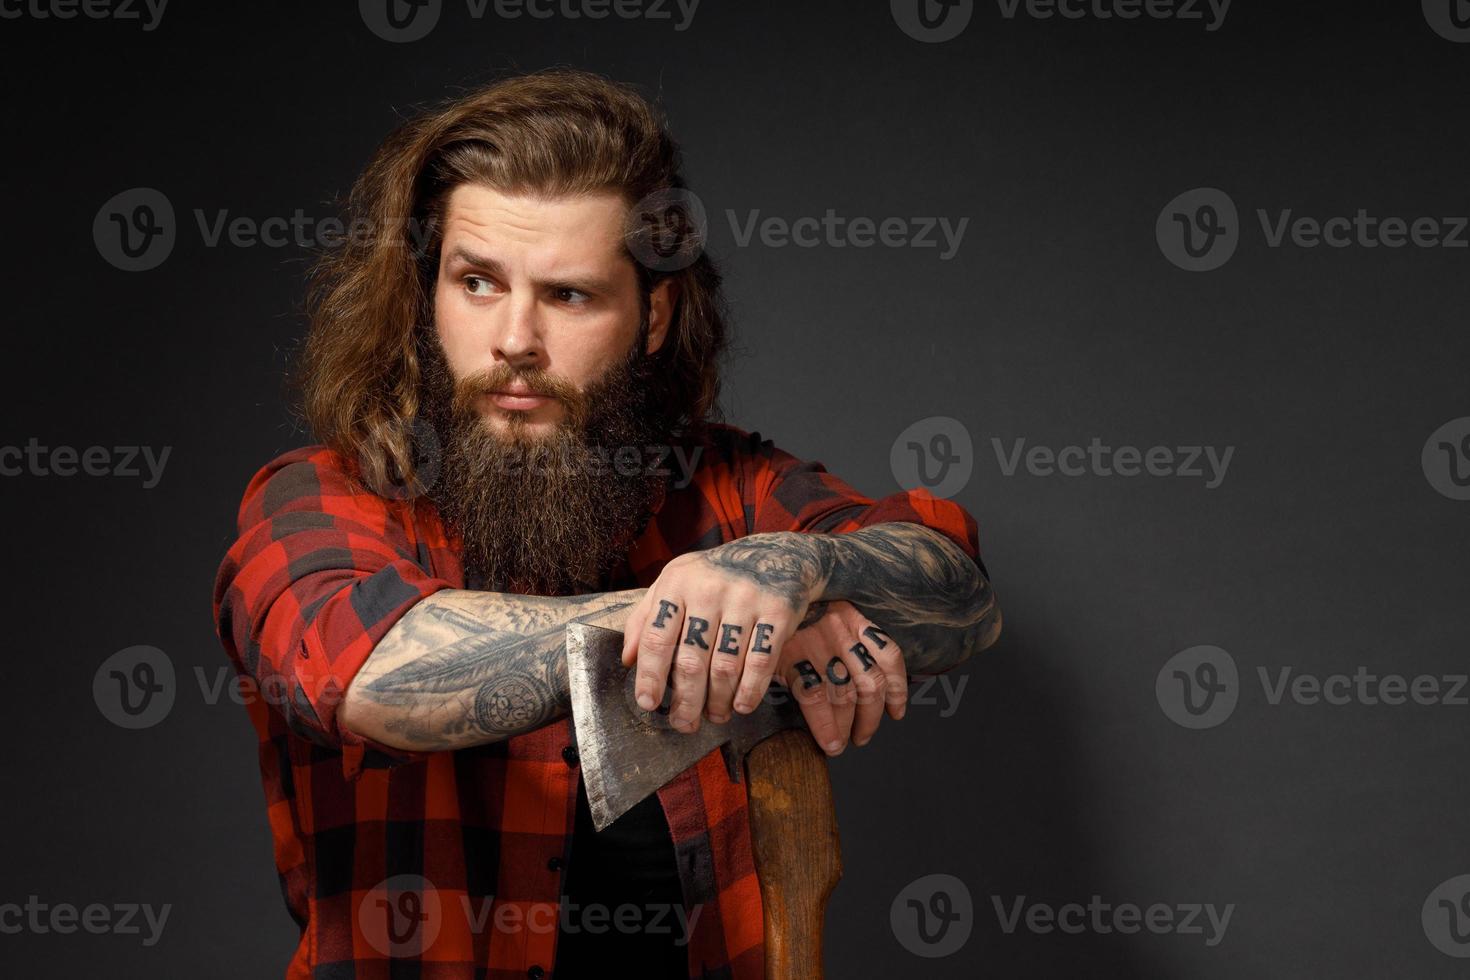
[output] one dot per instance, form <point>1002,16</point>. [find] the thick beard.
<point>550,515</point>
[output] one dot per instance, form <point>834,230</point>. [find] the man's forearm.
<point>464,668</point>
<point>909,579</point>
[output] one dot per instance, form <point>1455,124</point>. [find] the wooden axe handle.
<point>798,856</point>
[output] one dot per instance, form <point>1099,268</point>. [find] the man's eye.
<point>477,286</point>
<point>568,295</point>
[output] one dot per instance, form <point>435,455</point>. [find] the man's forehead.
<point>582,227</point>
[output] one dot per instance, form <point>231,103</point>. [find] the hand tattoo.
<point>928,594</point>
<point>769,561</point>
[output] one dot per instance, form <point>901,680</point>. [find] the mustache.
<point>537,381</point>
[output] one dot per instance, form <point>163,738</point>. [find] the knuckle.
<point>688,667</point>
<point>656,638</point>
<point>810,695</point>
<point>752,689</point>
<point>725,668</point>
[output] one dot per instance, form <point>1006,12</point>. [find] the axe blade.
<point>627,753</point>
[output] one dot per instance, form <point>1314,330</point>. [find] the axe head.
<point>627,753</point>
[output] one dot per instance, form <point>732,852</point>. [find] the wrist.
<point>817,559</point>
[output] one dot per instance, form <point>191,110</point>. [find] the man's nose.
<point>518,340</point>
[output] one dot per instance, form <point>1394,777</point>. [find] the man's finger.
<point>633,629</point>
<point>881,650</point>
<point>767,636</point>
<point>691,668</point>
<point>841,694</point>
<point>868,689</point>
<point>806,685</point>
<point>731,639</point>
<point>657,640</point>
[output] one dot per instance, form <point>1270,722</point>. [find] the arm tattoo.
<point>464,668</point>
<point>918,585</point>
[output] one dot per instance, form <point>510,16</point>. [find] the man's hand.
<point>843,669</point>
<point>720,619</point>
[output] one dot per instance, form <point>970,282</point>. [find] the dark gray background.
<point>1059,777</point>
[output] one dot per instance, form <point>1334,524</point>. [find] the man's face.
<point>535,384</point>
<point>535,299</point>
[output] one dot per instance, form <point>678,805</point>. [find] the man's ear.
<point>661,303</point>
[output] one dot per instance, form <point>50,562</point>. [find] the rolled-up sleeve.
<point>320,572</point>
<point>791,494</point>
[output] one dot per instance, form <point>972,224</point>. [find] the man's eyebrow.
<point>582,284</point>
<point>586,283</point>
<point>463,256</point>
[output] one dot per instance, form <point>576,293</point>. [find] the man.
<point>501,390</point>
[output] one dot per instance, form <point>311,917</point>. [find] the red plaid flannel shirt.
<point>456,859</point>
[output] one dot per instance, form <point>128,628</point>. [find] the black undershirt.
<point>631,862</point>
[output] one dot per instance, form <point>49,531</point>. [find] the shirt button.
<point>569,755</point>
<point>536,973</point>
<point>554,864</point>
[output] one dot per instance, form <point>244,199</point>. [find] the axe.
<point>627,754</point>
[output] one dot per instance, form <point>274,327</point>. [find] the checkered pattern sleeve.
<point>791,494</point>
<point>321,570</point>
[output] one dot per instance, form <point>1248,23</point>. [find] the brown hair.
<point>555,133</point>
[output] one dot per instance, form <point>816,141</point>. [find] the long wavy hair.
<point>370,303</point>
